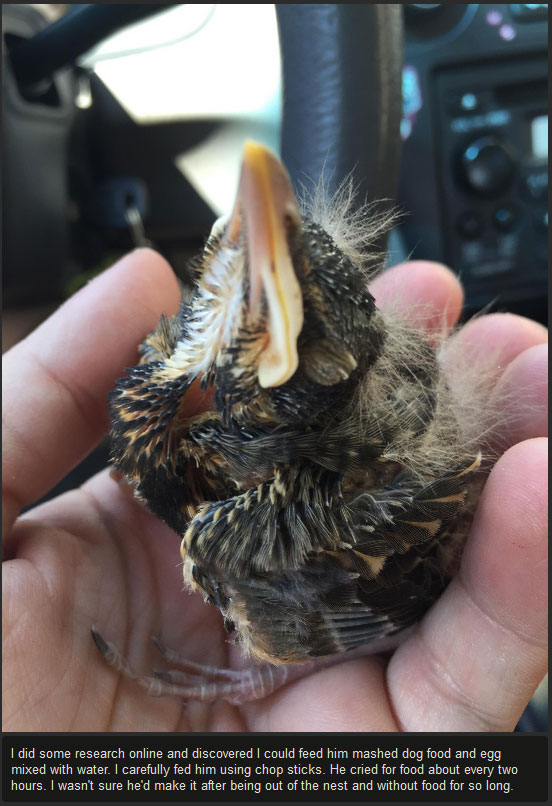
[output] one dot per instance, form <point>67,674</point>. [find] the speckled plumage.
<point>319,514</point>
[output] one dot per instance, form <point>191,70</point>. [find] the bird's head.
<point>281,320</point>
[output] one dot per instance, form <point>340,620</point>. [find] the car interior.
<point>124,125</point>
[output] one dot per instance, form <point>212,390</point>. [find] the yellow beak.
<point>266,205</point>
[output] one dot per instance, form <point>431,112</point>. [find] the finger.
<point>524,389</point>
<point>427,294</point>
<point>496,365</point>
<point>349,696</point>
<point>501,335</point>
<point>481,651</point>
<point>57,379</point>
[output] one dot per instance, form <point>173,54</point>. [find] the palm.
<point>117,567</point>
<point>94,556</point>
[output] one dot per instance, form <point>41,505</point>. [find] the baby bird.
<point>323,500</point>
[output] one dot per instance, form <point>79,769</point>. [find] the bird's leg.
<point>191,667</point>
<point>204,683</point>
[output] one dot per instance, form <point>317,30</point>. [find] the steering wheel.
<point>342,67</point>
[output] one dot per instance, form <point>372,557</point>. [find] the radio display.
<point>539,137</point>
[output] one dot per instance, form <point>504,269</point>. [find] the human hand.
<point>94,556</point>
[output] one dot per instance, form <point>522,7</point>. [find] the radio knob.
<point>487,166</point>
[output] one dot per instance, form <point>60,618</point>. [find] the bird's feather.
<point>329,509</point>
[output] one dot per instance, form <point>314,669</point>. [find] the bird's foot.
<point>203,683</point>
<point>200,682</point>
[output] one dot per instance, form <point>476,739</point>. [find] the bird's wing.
<point>392,575</point>
<point>393,595</point>
<point>329,606</point>
<point>340,600</point>
<point>287,520</point>
<point>408,512</point>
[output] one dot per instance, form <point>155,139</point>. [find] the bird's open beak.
<point>267,208</point>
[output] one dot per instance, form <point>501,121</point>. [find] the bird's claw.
<point>196,681</point>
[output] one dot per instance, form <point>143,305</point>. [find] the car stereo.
<point>492,162</point>
<point>474,176</point>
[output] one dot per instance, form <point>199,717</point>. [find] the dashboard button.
<point>487,166</point>
<point>459,103</point>
<point>505,218</point>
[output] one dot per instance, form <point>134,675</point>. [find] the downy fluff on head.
<point>469,413</point>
